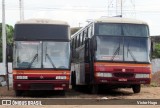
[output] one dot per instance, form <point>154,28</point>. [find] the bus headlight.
<point>142,76</point>
<point>100,74</point>
<point>60,77</point>
<point>22,77</point>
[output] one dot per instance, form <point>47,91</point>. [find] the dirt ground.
<point>123,94</point>
<point>126,93</point>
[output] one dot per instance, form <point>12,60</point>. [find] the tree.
<point>9,37</point>
<point>74,30</point>
<point>156,52</point>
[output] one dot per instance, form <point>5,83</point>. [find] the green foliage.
<point>9,31</point>
<point>9,37</point>
<point>74,30</point>
<point>156,53</point>
<point>154,84</point>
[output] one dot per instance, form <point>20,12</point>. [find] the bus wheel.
<point>63,92</point>
<point>136,88</point>
<point>94,89</point>
<point>73,80</point>
<point>18,92</point>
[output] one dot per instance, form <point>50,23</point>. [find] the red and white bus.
<point>111,52</point>
<point>41,55</point>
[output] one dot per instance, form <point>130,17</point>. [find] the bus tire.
<point>63,92</point>
<point>73,80</point>
<point>136,88</point>
<point>18,92</point>
<point>94,89</point>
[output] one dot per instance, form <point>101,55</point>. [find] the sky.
<point>78,12</point>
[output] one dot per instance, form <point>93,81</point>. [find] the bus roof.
<point>119,20</point>
<point>42,21</point>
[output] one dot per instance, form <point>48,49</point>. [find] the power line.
<point>86,10</point>
<point>80,9</point>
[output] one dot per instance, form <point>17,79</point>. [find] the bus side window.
<point>81,34</point>
<point>75,42</point>
<point>87,33</point>
<point>71,43</point>
<point>79,40</point>
<point>90,31</point>
<point>83,37</point>
<point>91,34</point>
<point>87,50</point>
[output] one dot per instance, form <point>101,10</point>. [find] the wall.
<point>155,65</point>
<point>2,73</point>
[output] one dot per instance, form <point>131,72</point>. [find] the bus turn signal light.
<point>142,76</point>
<point>22,77</point>
<point>100,74</point>
<point>61,77</point>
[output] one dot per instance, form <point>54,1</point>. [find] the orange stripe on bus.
<point>41,72</point>
<point>122,64</point>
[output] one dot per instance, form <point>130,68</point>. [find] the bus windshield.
<point>121,29</point>
<point>127,49</point>
<point>56,55</point>
<point>41,55</point>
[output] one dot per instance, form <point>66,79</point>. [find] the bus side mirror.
<point>9,53</point>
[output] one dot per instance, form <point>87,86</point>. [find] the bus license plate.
<point>122,79</point>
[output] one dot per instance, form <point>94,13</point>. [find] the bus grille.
<point>36,78</point>
<point>124,75</point>
<point>41,87</point>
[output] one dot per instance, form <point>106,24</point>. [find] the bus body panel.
<point>117,52</point>
<point>122,73</point>
<point>41,55</point>
<point>40,85</point>
<point>79,66</point>
<point>80,73</point>
<point>41,80</point>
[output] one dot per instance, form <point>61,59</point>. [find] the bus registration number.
<point>122,79</point>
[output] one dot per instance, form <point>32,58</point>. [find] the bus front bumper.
<point>124,81</point>
<point>40,85</point>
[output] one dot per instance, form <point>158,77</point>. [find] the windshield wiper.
<point>30,64</point>
<point>50,60</point>
<point>116,52</point>
<point>132,55</point>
